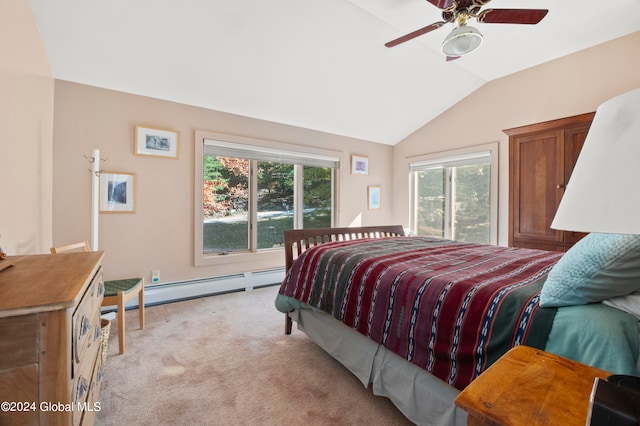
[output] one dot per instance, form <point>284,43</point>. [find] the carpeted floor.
<point>224,360</point>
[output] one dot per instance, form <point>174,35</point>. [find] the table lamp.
<point>603,192</point>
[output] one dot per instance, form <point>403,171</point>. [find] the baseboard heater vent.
<point>191,289</point>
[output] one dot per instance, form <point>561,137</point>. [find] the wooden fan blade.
<point>512,16</point>
<point>415,34</point>
<point>442,4</point>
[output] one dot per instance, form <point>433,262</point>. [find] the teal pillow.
<point>598,267</point>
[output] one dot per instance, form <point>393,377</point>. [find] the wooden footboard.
<point>298,240</point>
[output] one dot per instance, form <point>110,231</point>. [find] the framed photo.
<point>117,192</point>
<point>156,142</point>
<point>359,165</point>
<point>374,197</point>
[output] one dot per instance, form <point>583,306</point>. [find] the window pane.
<point>430,205</point>
<point>317,197</point>
<point>471,203</point>
<point>251,193</point>
<point>275,203</point>
<point>226,203</point>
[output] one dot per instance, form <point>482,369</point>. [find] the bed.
<point>419,318</point>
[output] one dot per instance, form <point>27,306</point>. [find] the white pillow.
<point>629,303</point>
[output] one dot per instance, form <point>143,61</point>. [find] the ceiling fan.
<point>464,38</point>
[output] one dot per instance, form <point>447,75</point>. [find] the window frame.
<point>271,148</point>
<point>457,157</point>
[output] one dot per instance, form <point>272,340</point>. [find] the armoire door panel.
<point>541,165</point>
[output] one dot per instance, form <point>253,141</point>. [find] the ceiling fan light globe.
<point>461,40</point>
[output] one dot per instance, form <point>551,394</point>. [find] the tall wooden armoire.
<point>541,159</point>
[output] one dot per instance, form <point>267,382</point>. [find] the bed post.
<point>288,323</point>
<point>288,257</point>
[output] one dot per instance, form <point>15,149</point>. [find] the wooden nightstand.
<point>532,387</point>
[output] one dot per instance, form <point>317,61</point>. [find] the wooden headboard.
<point>298,240</point>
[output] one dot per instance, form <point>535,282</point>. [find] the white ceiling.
<point>319,64</point>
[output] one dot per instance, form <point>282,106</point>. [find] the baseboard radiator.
<point>182,290</point>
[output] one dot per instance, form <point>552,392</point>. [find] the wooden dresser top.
<point>46,282</point>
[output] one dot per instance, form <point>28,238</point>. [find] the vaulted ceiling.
<point>319,64</point>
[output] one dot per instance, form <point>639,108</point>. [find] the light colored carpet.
<point>224,360</point>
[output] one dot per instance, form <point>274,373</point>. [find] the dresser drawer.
<point>86,321</point>
<point>92,405</point>
<point>83,370</point>
<point>86,388</point>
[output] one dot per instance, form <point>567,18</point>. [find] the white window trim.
<point>271,147</point>
<point>455,157</point>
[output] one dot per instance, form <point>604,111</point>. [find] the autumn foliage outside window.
<point>226,185</point>
<point>228,200</point>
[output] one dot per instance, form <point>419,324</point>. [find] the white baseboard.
<point>182,290</point>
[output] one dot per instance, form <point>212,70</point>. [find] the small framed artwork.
<point>156,142</point>
<point>359,165</point>
<point>117,192</point>
<point>374,197</point>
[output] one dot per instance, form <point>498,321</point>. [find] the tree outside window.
<point>227,201</point>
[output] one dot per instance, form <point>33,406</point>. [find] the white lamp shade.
<point>461,40</point>
<point>603,193</point>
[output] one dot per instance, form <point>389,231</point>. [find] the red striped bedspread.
<point>451,308</point>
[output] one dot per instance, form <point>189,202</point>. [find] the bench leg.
<point>121,321</point>
<point>141,306</point>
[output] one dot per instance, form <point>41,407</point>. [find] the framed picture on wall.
<point>374,197</point>
<point>117,192</point>
<point>359,165</point>
<point>156,142</point>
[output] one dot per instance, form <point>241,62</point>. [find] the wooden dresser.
<point>50,363</point>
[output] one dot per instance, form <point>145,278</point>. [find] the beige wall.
<point>160,233</point>
<point>567,86</point>
<point>26,120</point>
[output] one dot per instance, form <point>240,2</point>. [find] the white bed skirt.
<point>420,396</point>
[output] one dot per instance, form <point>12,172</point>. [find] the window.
<point>248,194</point>
<point>454,196</point>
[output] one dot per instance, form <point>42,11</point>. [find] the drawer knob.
<point>85,326</point>
<point>81,390</point>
